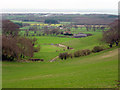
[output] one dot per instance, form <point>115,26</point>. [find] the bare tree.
<point>113,34</point>
<point>9,28</point>
<point>15,47</point>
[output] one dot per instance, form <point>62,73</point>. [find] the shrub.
<point>71,55</point>
<point>97,49</point>
<point>85,52</point>
<point>63,55</point>
<point>89,34</point>
<point>82,53</point>
<point>77,54</point>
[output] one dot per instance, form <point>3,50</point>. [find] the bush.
<point>86,52</point>
<point>64,55</point>
<point>71,55</point>
<point>77,54</point>
<point>97,49</point>
<point>89,34</point>
<point>82,53</point>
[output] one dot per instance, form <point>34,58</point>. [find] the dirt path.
<point>110,53</point>
<point>63,46</point>
<point>59,45</point>
<point>54,59</point>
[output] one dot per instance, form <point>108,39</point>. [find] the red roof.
<point>67,32</point>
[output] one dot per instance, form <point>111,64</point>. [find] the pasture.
<point>97,70</point>
<point>92,71</point>
<point>47,47</point>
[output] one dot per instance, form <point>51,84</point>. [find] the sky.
<point>60,4</point>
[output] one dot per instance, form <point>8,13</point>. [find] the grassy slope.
<point>51,40</point>
<point>97,70</point>
<point>76,43</point>
<point>85,43</point>
<point>80,43</point>
<point>48,52</point>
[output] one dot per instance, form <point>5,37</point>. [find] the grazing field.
<point>48,49</point>
<point>86,42</point>
<point>48,52</point>
<point>51,39</point>
<point>47,43</point>
<point>97,70</point>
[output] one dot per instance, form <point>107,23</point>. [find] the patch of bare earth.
<point>110,53</point>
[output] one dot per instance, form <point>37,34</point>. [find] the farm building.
<point>78,25</point>
<point>79,35</point>
<point>67,33</point>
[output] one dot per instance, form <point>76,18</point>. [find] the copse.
<point>112,35</point>
<point>26,47</point>
<point>15,47</point>
<point>9,28</point>
<point>51,21</point>
<point>10,50</point>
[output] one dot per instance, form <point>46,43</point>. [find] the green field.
<point>92,71</point>
<point>76,43</point>
<point>37,22</point>
<point>47,47</point>
<point>26,22</point>
<point>97,70</point>
<point>48,52</point>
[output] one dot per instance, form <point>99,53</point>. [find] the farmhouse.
<point>78,25</point>
<point>67,33</point>
<point>79,35</point>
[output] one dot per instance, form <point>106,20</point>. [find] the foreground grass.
<point>97,70</point>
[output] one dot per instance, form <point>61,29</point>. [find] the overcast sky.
<point>60,4</point>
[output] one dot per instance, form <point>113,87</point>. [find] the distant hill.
<point>74,18</point>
